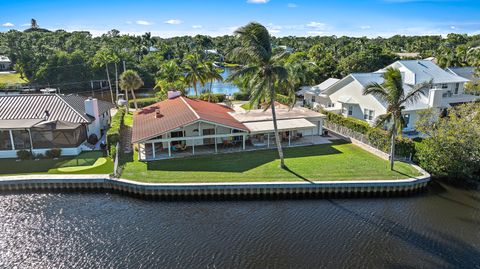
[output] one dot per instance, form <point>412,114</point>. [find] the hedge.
<point>113,134</point>
<point>376,137</point>
<point>214,98</point>
<point>143,102</point>
<point>241,96</point>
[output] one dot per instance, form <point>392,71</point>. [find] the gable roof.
<point>318,88</point>
<point>33,106</point>
<point>176,113</point>
<point>426,70</point>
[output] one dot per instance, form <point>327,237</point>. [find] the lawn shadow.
<point>297,175</point>
<point>238,162</point>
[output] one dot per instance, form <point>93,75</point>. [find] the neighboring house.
<point>346,96</point>
<point>180,125</point>
<point>5,63</point>
<point>39,122</point>
<point>310,93</point>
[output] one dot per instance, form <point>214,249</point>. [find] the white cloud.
<point>173,21</point>
<point>141,22</point>
<point>274,29</point>
<point>317,25</point>
<point>310,33</point>
<point>8,24</point>
<point>453,27</point>
<point>197,26</point>
<point>257,1</point>
<point>365,27</point>
<point>292,5</point>
<point>128,22</point>
<point>26,24</point>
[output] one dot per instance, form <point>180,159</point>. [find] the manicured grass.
<point>338,161</point>
<point>247,106</point>
<point>128,119</point>
<point>9,78</point>
<point>85,163</point>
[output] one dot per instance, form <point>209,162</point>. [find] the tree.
<point>392,92</point>
<point>102,58</point>
<point>195,71</point>
<point>211,74</point>
<point>452,146</point>
<point>130,80</point>
<point>260,70</point>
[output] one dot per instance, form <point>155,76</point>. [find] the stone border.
<point>241,189</point>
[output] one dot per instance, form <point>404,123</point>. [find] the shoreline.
<point>350,188</point>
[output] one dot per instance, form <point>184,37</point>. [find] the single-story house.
<point>182,126</point>
<point>39,122</point>
<point>5,63</point>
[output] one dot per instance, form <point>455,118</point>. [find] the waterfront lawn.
<point>85,163</point>
<point>337,161</point>
<point>11,78</point>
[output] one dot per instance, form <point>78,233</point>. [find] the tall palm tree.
<point>392,92</point>
<point>130,80</point>
<point>102,58</point>
<point>211,75</point>
<point>195,71</point>
<point>260,69</point>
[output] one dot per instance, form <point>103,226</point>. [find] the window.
<point>368,114</point>
<point>406,118</point>
<point>330,105</point>
<point>313,99</point>
<point>457,87</point>
<point>350,110</point>
<point>5,142</point>
<point>444,86</point>
<point>21,139</point>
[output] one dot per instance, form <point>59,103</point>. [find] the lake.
<point>437,229</point>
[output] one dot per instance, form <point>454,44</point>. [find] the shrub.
<point>113,134</point>
<point>143,102</point>
<point>53,153</point>
<point>351,123</point>
<point>92,139</point>
<point>24,154</point>
<point>283,99</point>
<point>241,96</point>
<point>214,98</point>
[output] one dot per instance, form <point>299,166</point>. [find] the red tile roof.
<point>176,113</point>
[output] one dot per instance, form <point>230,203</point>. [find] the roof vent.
<point>157,113</point>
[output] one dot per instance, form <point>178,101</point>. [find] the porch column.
<point>31,141</point>
<point>193,147</point>
<point>289,137</point>
<point>153,150</point>
<point>216,139</point>
<point>268,140</point>
<point>11,139</point>
<point>169,149</point>
<point>243,144</point>
<point>311,137</point>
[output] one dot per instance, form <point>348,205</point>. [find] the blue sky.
<point>218,17</point>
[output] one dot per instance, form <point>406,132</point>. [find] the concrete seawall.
<point>331,189</point>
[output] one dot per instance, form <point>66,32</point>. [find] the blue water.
<point>217,86</point>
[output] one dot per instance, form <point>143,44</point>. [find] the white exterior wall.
<point>355,90</point>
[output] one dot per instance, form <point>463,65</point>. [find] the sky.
<point>167,18</point>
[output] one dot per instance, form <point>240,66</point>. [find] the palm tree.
<point>211,75</point>
<point>102,58</point>
<point>130,80</point>
<point>392,92</point>
<point>260,70</point>
<point>195,71</point>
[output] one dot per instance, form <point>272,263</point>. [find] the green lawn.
<point>338,161</point>
<point>11,79</point>
<point>85,163</point>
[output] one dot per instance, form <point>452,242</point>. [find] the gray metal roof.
<point>467,72</point>
<point>33,106</point>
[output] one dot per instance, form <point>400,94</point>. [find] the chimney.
<point>157,113</point>
<point>46,115</point>
<point>91,109</point>
<point>173,94</point>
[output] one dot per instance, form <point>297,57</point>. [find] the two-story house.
<point>346,95</point>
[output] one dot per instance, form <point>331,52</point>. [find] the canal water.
<point>438,229</point>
